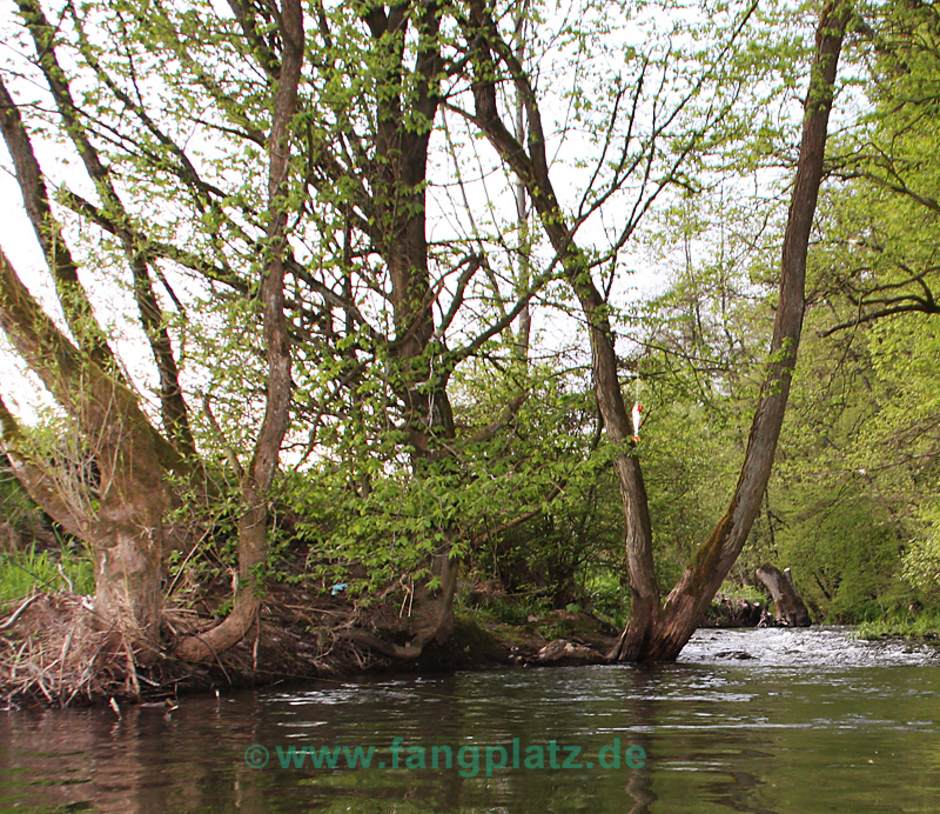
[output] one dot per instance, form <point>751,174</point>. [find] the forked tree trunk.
<point>656,631</point>
<point>661,635</point>
<point>125,531</point>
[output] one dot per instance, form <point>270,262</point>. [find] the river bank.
<point>52,652</point>
<point>924,626</point>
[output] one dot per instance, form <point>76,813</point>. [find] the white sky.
<point>18,241</point>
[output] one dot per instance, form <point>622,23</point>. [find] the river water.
<point>747,721</point>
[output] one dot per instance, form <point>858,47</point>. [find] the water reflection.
<point>792,728</point>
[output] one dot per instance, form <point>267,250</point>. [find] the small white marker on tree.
<point>637,416</point>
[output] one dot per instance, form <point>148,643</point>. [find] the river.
<point>747,721</point>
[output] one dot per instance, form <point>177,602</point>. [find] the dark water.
<point>813,722</point>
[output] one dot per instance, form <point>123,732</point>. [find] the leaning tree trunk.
<point>126,531</point>
<point>789,608</point>
<point>530,163</point>
<point>666,632</point>
<point>125,537</point>
<point>258,477</point>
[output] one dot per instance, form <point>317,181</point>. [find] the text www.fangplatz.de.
<point>469,759</point>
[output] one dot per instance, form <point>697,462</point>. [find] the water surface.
<point>746,721</point>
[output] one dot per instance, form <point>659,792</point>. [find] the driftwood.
<point>562,651</point>
<point>789,608</point>
<point>728,612</point>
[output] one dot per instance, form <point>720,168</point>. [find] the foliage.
<point>441,393</point>
<point>23,572</point>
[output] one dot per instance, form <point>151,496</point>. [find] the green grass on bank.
<point>925,624</point>
<point>21,572</point>
<point>736,591</point>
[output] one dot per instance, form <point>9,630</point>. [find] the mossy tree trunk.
<point>665,632</point>
<point>659,630</point>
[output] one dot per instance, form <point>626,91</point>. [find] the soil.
<point>53,652</point>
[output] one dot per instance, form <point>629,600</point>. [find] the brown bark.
<point>789,608</point>
<point>71,294</point>
<point>399,203</point>
<point>656,632</point>
<point>259,475</point>
<point>672,626</point>
<point>524,273</point>
<point>173,406</point>
<point>126,533</point>
<point>530,164</point>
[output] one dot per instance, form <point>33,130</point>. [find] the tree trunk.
<point>257,479</point>
<point>530,164</point>
<point>126,532</point>
<point>399,201</point>
<point>252,550</point>
<point>656,632</point>
<point>128,592</point>
<point>789,608</point>
<point>662,634</point>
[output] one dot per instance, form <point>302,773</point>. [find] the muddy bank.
<point>53,652</point>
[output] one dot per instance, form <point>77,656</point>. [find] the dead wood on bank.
<point>54,651</point>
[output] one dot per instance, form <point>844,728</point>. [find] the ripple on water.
<point>805,647</point>
<point>746,721</point>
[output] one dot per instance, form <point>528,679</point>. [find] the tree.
<point>122,515</point>
<point>257,478</point>
<point>373,315</point>
<point>361,316</point>
<point>659,631</point>
<point>872,300</point>
<point>885,219</point>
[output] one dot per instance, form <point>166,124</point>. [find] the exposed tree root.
<point>54,651</point>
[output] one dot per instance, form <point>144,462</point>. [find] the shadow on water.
<point>748,721</point>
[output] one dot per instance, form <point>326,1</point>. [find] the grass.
<point>22,572</point>
<point>751,593</point>
<point>925,625</point>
